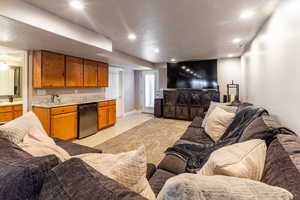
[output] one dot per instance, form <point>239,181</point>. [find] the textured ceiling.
<point>183,29</point>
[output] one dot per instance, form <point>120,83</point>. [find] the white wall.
<point>129,90</point>
<point>271,66</point>
<point>229,69</point>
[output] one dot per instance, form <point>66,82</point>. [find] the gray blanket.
<point>196,155</point>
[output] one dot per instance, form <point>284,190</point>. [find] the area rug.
<point>156,135</point>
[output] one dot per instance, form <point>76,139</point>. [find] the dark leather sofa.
<point>282,166</point>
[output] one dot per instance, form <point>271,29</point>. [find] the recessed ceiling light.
<point>183,67</point>
<point>131,36</point>
<point>76,5</point>
<point>236,40</point>
<point>173,60</point>
<point>156,50</point>
<point>247,14</point>
<point>187,70</point>
<point>230,55</point>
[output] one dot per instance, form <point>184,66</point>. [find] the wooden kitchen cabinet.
<point>74,72</point>
<point>90,73</point>
<point>106,114</point>
<point>48,70</point>
<point>8,113</point>
<point>103,75</point>
<point>58,122</point>
<point>64,126</point>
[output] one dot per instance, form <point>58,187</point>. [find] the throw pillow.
<point>16,130</point>
<point>217,123</point>
<point>213,105</point>
<point>243,160</point>
<point>196,187</point>
<point>37,144</point>
<point>128,168</point>
<point>76,180</point>
<point>23,179</point>
<point>261,128</point>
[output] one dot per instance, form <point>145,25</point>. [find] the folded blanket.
<point>196,155</point>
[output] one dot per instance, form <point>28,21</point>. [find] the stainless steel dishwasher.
<point>87,120</point>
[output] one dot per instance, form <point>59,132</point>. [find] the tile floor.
<point>123,124</point>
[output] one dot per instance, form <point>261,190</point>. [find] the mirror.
<point>10,81</point>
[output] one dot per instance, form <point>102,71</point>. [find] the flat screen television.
<point>193,74</point>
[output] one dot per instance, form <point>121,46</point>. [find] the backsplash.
<point>67,94</point>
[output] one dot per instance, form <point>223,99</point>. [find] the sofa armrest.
<point>151,169</point>
<point>75,149</point>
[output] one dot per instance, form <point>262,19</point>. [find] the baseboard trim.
<point>131,112</point>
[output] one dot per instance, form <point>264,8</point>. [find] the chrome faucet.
<point>53,96</point>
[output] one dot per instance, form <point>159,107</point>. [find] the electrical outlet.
<point>41,92</point>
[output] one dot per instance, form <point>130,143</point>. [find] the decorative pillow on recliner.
<point>217,123</point>
<point>196,187</point>
<point>261,128</point>
<point>243,160</point>
<point>23,179</point>
<point>213,105</point>
<point>16,130</point>
<point>128,169</point>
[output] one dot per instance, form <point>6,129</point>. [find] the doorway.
<point>150,86</point>
<point>115,89</point>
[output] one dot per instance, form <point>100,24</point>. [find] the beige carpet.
<point>156,135</point>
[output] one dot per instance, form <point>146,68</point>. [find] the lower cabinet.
<point>106,114</point>
<point>8,113</point>
<point>59,122</point>
<point>64,126</point>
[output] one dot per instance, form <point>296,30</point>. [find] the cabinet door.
<point>74,72</point>
<point>111,115</point>
<point>102,117</point>
<point>64,126</point>
<point>6,116</point>
<point>53,70</point>
<point>18,114</point>
<point>103,75</point>
<point>90,73</point>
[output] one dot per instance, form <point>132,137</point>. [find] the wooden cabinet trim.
<point>4,109</point>
<point>63,109</point>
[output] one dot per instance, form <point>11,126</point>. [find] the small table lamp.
<point>233,92</point>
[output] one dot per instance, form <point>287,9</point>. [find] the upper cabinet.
<point>74,72</point>
<point>103,74</point>
<point>90,73</point>
<point>53,70</point>
<point>48,70</point>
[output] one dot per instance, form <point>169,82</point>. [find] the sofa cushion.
<point>197,135</point>
<point>10,152</point>
<point>282,167</point>
<point>261,128</point>
<point>197,122</point>
<point>128,168</point>
<point>196,187</point>
<point>243,160</point>
<point>217,122</point>
<point>75,149</point>
<point>173,164</point>
<point>158,180</point>
<point>23,179</point>
<point>151,168</point>
<point>15,130</point>
<point>75,180</point>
